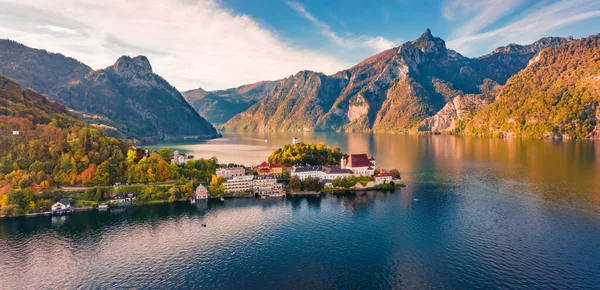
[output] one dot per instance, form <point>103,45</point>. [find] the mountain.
<point>219,106</point>
<point>127,99</point>
<point>557,96</point>
<point>131,100</point>
<point>394,90</point>
<point>38,69</point>
<point>508,60</point>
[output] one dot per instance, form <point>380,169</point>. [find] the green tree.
<point>165,154</point>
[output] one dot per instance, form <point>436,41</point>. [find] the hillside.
<point>126,99</point>
<point>392,91</point>
<point>43,146</point>
<point>219,106</point>
<point>38,69</point>
<point>556,96</point>
<point>133,102</point>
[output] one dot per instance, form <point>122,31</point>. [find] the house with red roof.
<point>266,168</point>
<point>360,164</point>
<point>383,178</point>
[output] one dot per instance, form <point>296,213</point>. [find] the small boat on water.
<point>222,199</point>
<point>103,206</point>
<point>193,201</point>
<point>263,197</point>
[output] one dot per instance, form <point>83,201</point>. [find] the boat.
<point>193,201</point>
<point>263,197</point>
<point>103,206</point>
<point>222,199</point>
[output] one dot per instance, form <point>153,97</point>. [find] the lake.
<point>476,213</point>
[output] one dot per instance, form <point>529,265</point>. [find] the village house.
<point>360,164</point>
<point>180,158</point>
<point>228,172</point>
<point>140,152</point>
<point>63,205</point>
<point>383,178</point>
<point>295,141</point>
<point>266,168</point>
<point>201,192</point>
<point>123,198</point>
<point>304,172</point>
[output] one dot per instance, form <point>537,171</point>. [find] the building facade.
<point>266,168</point>
<point>201,192</point>
<point>383,178</point>
<point>229,172</point>
<point>239,184</point>
<point>304,172</point>
<point>360,164</point>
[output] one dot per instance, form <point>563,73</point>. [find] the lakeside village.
<point>296,169</point>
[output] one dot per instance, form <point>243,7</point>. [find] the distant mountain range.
<point>219,106</point>
<point>126,99</point>
<point>394,91</point>
<point>547,89</point>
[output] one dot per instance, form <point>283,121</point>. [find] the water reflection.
<point>568,171</point>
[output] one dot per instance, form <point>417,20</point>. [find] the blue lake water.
<point>476,213</point>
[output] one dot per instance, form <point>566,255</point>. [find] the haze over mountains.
<point>126,99</point>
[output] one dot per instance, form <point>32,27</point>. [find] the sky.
<point>218,44</point>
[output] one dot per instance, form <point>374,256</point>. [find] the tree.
<point>295,183</point>
<point>216,186</point>
<point>395,173</point>
<point>165,154</point>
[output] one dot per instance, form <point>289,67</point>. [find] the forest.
<point>44,147</point>
<point>301,153</point>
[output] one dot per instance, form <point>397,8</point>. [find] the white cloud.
<point>190,43</point>
<point>58,29</point>
<point>376,44</point>
<point>526,27</point>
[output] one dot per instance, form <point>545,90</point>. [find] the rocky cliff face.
<point>133,102</point>
<point>392,91</point>
<point>456,113</point>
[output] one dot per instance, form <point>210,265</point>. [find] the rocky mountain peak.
<point>429,44</point>
<point>128,66</point>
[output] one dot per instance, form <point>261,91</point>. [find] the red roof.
<point>359,160</point>
<point>383,174</point>
<point>275,165</point>
<point>264,164</point>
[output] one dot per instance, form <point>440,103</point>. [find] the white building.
<point>62,205</point>
<point>295,141</point>
<point>180,158</point>
<point>360,164</point>
<point>239,184</point>
<point>305,171</point>
<point>229,172</point>
<point>16,132</point>
<point>334,172</point>
<point>267,185</point>
<point>383,178</point>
